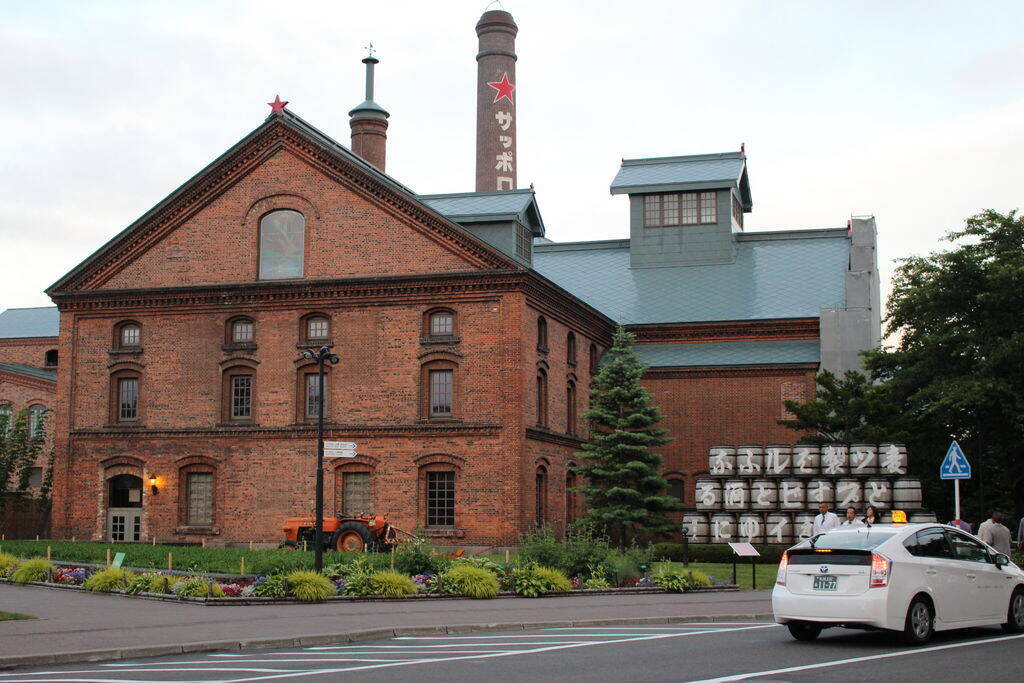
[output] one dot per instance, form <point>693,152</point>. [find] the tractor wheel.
<point>288,545</point>
<point>353,537</point>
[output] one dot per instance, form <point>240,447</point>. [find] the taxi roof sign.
<point>899,517</point>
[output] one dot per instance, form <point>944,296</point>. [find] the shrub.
<point>680,580</point>
<point>584,551</point>
<point>7,562</point>
<point>107,580</point>
<point>414,558</point>
<point>597,582</point>
<point>532,581</point>
<point>541,548</point>
<point>480,562</point>
<point>197,587</point>
<point>623,569</point>
<point>353,577</point>
<point>269,586</point>
<point>391,584</point>
<point>471,581</point>
<point>151,582</point>
<point>554,580</point>
<point>71,576</point>
<point>31,570</point>
<point>309,586</point>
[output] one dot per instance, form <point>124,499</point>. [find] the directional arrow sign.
<point>955,465</point>
<point>339,449</point>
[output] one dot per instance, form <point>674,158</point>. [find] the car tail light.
<point>783,566</point>
<point>880,569</point>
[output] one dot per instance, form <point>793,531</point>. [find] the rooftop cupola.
<point>369,122</point>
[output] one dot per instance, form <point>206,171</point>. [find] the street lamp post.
<point>686,545</point>
<point>321,356</point>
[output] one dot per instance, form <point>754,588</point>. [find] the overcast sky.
<point>911,111</point>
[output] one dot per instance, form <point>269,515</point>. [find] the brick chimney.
<point>495,102</point>
<point>369,122</point>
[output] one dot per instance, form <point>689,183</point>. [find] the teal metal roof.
<point>520,205</point>
<point>663,174</point>
<point>729,353</point>
<point>775,275</point>
<point>29,371</point>
<point>43,321</point>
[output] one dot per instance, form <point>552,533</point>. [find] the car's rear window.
<point>852,540</point>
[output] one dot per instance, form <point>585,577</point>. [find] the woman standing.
<point>871,516</point>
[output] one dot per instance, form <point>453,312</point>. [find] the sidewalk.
<point>74,622</point>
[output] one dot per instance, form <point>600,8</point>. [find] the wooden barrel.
<point>906,494</point>
<point>835,459</point>
<point>764,494</point>
<point>892,458</point>
<point>921,517</point>
<point>709,494</point>
<point>791,494</point>
<point>778,461</point>
<point>863,458</point>
<point>821,491</point>
<point>736,494</point>
<point>803,526</point>
<point>722,461</point>
<point>778,528</point>
<point>848,493</point>
<point>698,524</point>
<point>723,527</point>
<point>750,528</point>
<point>749,461</point>
<point>806,459</point>
<point>878,492</point>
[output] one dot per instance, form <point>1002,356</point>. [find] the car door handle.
<point>972,576</point>
<point>931,572</point>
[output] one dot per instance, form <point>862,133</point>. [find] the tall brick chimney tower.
<point>495,102</point>
<point>369,122</point>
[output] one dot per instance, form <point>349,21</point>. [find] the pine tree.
<point>623,486</point>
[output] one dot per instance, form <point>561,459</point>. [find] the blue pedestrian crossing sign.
<point>955,465</point>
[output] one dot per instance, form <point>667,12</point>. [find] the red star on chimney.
<point>277,106</point>
<point>504,89</point>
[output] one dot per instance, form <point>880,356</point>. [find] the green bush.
<point>623,568</point>
<point>531,580</point>
<point>309,586</point>
<point>197,587</point>
<point>585,552</point>
<point>108,580</point>
<point>271,587</point>
<point>479,561</point>
<point>391,584</point>
<point>680,580</point>
<point>554,580</point>
<point>469,580</point>
<point>597,582</point>
<point>31,570</point>
<point>7,562</point>
<point>542,548</point>
<point>414,558</point>
<point>356,575</point>
<point>150,582</point>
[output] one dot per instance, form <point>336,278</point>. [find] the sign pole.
<point>956,498</point>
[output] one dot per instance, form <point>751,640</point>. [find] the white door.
<point>124,524</point>
<point>941,573</point>
<point>971,558</point>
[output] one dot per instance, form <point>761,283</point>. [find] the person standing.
<point>1020,534</point>
<point>962,525</point>
<point>851,518</point>
<point>871,516</point>
<point>824,520</point>
<point>995,534</point>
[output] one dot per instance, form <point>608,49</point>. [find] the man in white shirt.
<point>851,518</point>
<point>824,520</point>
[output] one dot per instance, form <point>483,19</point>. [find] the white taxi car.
<point>913,578</point>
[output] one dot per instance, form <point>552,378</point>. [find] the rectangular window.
<point>241,397</point>
<point>441,325</point>
<point>440,499</point>
<point>317,328</point>
<point>130,335</point>
<point>440,393</point>
<point>708,207</point>
<point>355,494</point>
<point>35,477</point>
<point>737,211</point>
<point>690,213</point>
<point>313,395</point>
<point>199,492</point>
<point>242,331</point>
<point>524,242</point>
<point>127,398</point>
<point>685,208</point>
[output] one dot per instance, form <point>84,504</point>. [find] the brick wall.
<point>29,351</point>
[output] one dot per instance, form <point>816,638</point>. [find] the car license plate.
<point>826,583</point>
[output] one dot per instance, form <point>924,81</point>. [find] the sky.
<point>909,111</point>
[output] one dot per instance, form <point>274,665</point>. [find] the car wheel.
<point>1015,613</point>
<point>804,630</point>
<point>920,623</point>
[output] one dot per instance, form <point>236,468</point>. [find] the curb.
<point>141,651</point>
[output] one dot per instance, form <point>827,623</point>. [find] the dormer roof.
<point>487,207</point>
<point>683,173</point>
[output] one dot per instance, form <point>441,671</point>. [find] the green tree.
<point>623,486</point>
<point>957,370</point>
<point>21,445</point>
<point>852,410</point>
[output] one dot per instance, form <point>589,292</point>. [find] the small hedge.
<point>470,581</point>
<point>680,580</point>
<point>392,584</point>
<point>533,581</point>
<point>108,580</point>
<point>31,570</point>
<point>310,586</point>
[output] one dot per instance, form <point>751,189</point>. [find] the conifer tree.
<point>623,486</point>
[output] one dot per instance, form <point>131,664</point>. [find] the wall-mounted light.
<point>152,484</point>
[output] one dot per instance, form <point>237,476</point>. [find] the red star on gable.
<point>504,89</point>
<point>277,106</point>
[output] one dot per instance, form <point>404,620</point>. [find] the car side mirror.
<point>1002,560</point>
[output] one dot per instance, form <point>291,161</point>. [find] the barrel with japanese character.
<point>709,494</point>
<point>778,528</point>
<point>697,523</point>
<point>778,460</point>
<point>750,528</point>
<point>821,491</point>
<point>848,493</point>
<point>863,458</point>
<point>791,494</point>
<point>892,458</point>
<point>736,494</point>
<point>806,459</point>
<point>723,527</point>
<point>722,461</point>
<point>803,526</point>
<point>764,494</point>
<point>921,517</point>
<point>906,494</point>
<point>749,461</point>
<point>835,459</point>
<point>878,492</point>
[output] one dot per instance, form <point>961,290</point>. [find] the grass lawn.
<point>13,616</point>
<point>723,572</point>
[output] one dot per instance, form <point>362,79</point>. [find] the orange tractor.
<point>354,534</point>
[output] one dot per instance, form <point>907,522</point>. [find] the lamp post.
<point>686,545</point>
<point>321,356</point>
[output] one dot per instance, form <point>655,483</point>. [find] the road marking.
<point>544,635</point>
<point>854,660</point>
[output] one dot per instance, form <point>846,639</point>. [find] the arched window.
<point>124,396</point>
<point>542,398</point>
<point>316,329</point>
<point>542,334</point>
<point>439,390</point>
<point>6,417</point>
<point>127,335</point>
<point>677,489</point>
<point>50,358</point>
<point>541,496</point>
<point>570,497</point>
<point>282,244</point>
<point>570,349</point>
<point>37,420</point>
<point>594,359</point>
<point>239,390</point>
<point>570,408</point>
<point>441,323</point>
<point>241,331</point>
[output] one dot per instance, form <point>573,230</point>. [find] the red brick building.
<point>466,338</point>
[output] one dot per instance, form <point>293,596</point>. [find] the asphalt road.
<point>690,652</point>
